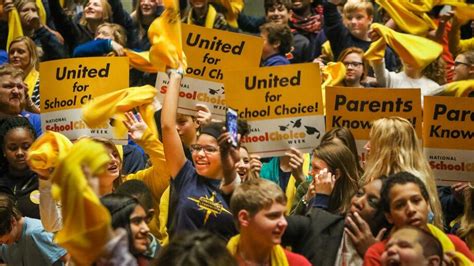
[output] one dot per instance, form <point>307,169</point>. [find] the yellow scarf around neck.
<point>210,17</point>
<point>31,79</point>
<point>277,256</point>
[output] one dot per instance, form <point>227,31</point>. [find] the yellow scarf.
<point>140,61</point>
<point>333,74</point>
<point>31,79</point>
<point>163,217</point>
<point>459,258</point>
<point>464,12</point>
<point>14,27</point>
<point>97,112</point>
<point>232,10</point>
<point>210,17</point>
<point>410,17</point>
<point>277,257</point>
<point>86,222</point>
<point>327,51</point>
<point>413,50</point>
<point>14,23</point>
<point>460,88</point>
<point>46,152</point>
<point>165,39</point>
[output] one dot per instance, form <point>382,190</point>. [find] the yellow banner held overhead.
<point>209,51</point>
<point>355,108</point>
<point>68,84</point>
<point>448,137</point>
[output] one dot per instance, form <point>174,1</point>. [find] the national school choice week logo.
<point>209,206</point>
<point>62,124</point>
<point>449,163</point>
<point>294,132</point>
<point>215,96</point>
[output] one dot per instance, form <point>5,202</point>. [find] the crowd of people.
<point>181,194</point>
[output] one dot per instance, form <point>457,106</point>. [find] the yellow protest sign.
<point>67,84</point>
<point>283,105</point>
<point>448,133</point>
<point>209,53</point>
<point>356,108</point>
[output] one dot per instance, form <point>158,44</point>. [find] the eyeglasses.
<point>457,63</point>
<point>352,64</point>
<point>207,149</point>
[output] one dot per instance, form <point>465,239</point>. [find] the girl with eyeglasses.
<point>356,67</point>
<point>201,191</point>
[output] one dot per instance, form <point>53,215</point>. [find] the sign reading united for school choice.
<point>68,84</point>
<point>448,133</point>
<point>356,108</point>
<point>283,105</point>
<point>209,53</point>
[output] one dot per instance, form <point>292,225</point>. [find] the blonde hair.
<point>466,230</point>
<point>394,148</point>
<point>32,48</point>
<point>106,13</point>
<point>119,32</point>
<point>354,5</point>
<point>255,195</point>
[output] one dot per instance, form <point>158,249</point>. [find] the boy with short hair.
<point>277,42</point>
<point>411,245</point>
<point>405,201</point>
<point>358,15</point>
<point>278,11</point>
<point>258,207</point>
<point>23,240</point>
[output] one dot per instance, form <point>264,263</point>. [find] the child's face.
<point>198,3</point>
<point>403,248</point>
<point>358,23</point>
<point>278,14</point>
<point>268,225</point>
<point>104,33</point>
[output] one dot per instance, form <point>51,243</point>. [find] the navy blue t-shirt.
<point>200,204</point>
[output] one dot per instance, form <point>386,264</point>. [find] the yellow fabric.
<point>327,51</point>
<point>31,79</point>
<point>210,17</point>
<point>86,222</point>
<point>14,27</point>
<point>291,186</point>
<point>413,50</point>
<point>41,12</point>
<point>165,39</point>
<point>410,16</point>
<point>156,177</point>
<point>97,112</point>
<point>233,9</point>
<point>460,88</point>
<point>466,45</point>
<point>47,150</point>
<point>140,61</point>
<point>333,74</point>
<point>464,12</point>
<point>277,256</point>
<point>459,258</point>
<point>163,217</point>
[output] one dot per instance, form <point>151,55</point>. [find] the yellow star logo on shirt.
<point>209,206</point>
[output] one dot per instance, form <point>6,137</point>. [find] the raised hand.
<point>203,114</point>
<point>135,125</point>
<point>296,163</point>
<point>360,234</point>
